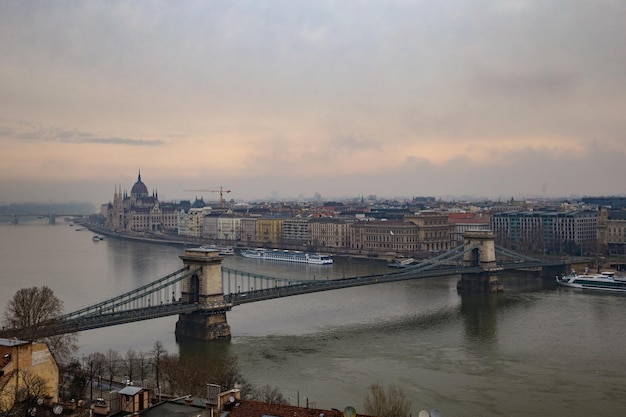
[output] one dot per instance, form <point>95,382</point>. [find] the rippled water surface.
<point>533,350</point>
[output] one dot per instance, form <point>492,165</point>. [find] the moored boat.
<point>604,281</point>
<point>402,263</point>
<point>287,256</point>
<point>223,250</point>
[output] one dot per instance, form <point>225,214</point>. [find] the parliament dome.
<point>139,189</point>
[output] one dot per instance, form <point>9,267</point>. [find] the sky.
<point>287,98</point>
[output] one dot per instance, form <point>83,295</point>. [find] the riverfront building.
<point>612,231</point>
<point>435,232</point>
<point>540,231</point>
<point>330,232</point>
<point>269,229</point>
<point>296,231</point>
<point>140,211</point>
<point>378,237</point>
<point>248,230</point>
<point>465,222</point>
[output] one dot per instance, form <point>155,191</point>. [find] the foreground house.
<point>22,362</point>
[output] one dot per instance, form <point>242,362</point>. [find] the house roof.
<point>130,390</point>
<point>172,409</point>
<point>249,408</point>
<point>467,218</point>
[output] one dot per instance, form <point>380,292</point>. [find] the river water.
<point>534,350</point>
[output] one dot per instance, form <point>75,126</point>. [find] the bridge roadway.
<point>77,323</point>
<point>403,275</point>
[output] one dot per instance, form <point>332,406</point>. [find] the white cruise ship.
<point>287,256</point>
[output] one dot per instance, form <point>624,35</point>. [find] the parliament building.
<point>141,212</point>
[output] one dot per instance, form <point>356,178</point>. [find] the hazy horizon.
<point>515,98</point>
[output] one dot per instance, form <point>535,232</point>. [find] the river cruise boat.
<point>604,281</point>
<point>287,256</point>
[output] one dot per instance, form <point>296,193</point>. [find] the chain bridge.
<point>202,291</point>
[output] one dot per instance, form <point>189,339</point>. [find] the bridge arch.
<point>194,289</point>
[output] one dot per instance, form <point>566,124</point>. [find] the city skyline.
<point>287,99</point>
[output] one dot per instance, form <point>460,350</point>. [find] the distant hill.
<point>47,208</point>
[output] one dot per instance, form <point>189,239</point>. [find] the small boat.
<point>287,256</point>
<point>97,238</point>
<point>402,263</point>
<point>604,281</point>
<point>223,250</point>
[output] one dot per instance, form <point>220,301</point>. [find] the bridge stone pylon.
<point>204,288</point>
<point>481,253</point>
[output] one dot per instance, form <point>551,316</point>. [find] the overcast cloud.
<point>394,98</point>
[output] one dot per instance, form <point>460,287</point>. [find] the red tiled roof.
<point>248,408</point>
<point>467,218</point>
<point>463,216</point>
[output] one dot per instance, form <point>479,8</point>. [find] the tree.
<point>94,365</point>
<point>24,400</point>
<point>62,346</point>
<point>182,375</point>
<point>130,364</point>
<point>269,394</point>
<point>157,353</point>
<point>112,365</point>
<point>228,375</point>
<point>75,381</point>
<point>30,310</point>
<point>30,307</point>
<point>390,403</point>
<point>143,366</point>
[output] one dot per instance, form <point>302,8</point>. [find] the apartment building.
<point>435,233</point>
<point>330,232</point>
<point>540,231</point>
<point>378,237</point>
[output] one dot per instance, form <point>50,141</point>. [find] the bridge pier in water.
<point>204,288</point>
<point>482,255</point>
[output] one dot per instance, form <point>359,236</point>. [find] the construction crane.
<point>220,190</point>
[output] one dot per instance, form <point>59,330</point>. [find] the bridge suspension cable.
<point>445,259</point>
<point>233,279</point>
<point>125,301</point>
<point>514,255</point>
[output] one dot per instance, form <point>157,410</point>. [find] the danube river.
<point>532,351</point>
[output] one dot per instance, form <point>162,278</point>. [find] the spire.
<point>139,176</point>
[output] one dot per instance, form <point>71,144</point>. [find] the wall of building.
<point>27,358</point>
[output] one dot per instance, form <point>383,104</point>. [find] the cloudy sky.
<point>485,98</point>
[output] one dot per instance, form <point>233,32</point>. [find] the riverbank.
<point>187,241</point>
<point>149,238</point>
